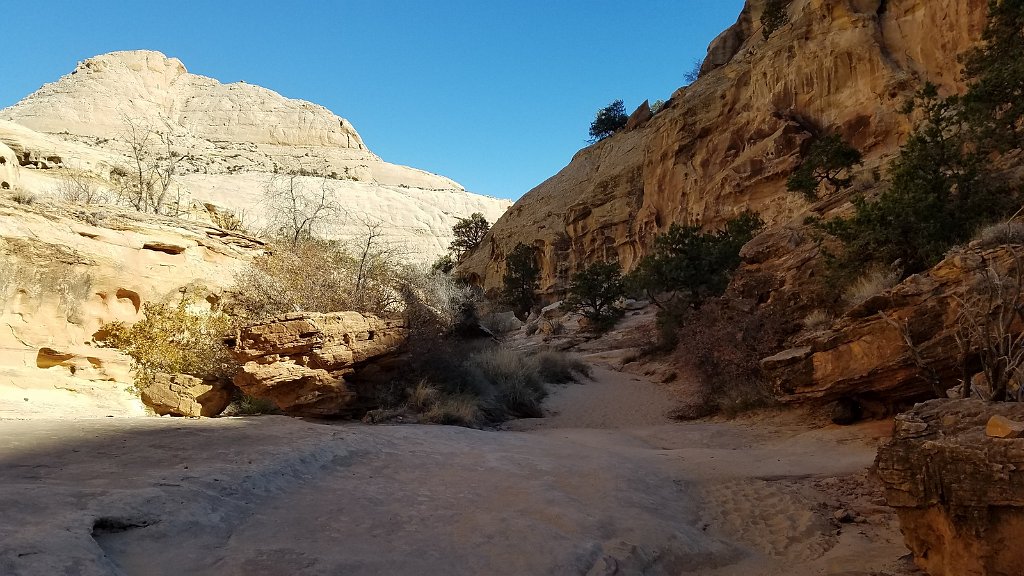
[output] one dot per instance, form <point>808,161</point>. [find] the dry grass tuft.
<point>871,284</point>
<point>1000,233</point>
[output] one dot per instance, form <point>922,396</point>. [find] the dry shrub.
<point>817,320</point>
<point>561,368</point>
<point>1000,233</point>
<point>871,284</point>
<point>501,323</point>
<point>24,197</point>
<point>724,346</point>
<point>476,383</point>
<point>177,339</point>
<point>461,410</point>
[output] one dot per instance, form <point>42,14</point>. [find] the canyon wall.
<point>727,142</point>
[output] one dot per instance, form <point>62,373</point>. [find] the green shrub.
<point>828,160</point>
<point>469,233</point>
<point>939,193</point>
<point>519,283</point>
<point>775,15</point>
<point>246,405</point>
<point>693,264</point>
<point>608,121</point>
<point>174,340</point>
<point>595,291</point>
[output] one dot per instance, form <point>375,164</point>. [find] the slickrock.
<point>728,141</point>
<point>233,141</point>
<point>959,493</point>
<point>300,361</point>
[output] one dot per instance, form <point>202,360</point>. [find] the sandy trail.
<point>606,485</point>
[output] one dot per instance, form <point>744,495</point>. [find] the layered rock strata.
<point>235,143</point>
<point>959,493</point>
<point>301,361</point>
<point>898,346</point>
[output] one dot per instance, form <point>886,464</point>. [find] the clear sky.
<point>496,95</point>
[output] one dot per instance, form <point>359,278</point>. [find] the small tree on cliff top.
<point>469,233</point>
<point>609,120</point>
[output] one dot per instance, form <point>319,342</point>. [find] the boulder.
<point>183,395</point>
<point>300,361</point>
<point>553,310</point>
<point>959,493</point>
<point>640,116</point>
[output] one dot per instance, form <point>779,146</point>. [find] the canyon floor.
<point>605,485</point>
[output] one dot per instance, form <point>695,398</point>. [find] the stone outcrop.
<point>184,395</point>
<point>728,141</point>
<point>66,270</point>
<point>958,493</point>
<point>867,354</point>
<point>234,140</point>
<point>301,361</point>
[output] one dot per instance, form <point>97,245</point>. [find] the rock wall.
<point>300,361</point>
<point>959,494</point>
<point>727,142</point>
<point>65,271</point>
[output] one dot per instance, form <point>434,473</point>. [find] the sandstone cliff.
<point>728,141</point>
<point>233,139</point>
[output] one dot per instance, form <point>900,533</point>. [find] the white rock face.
<point>234,138</point>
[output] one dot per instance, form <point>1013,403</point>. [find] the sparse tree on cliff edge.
<point>609,120</point>
<point>775,15</point>
<point>469,232</point>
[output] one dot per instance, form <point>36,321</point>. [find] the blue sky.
<point>496,95</point>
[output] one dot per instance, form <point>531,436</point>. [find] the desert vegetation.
<point>608,121</point>
<point>475,384</point>
<point>595,292</point>
<point>182,338</point>
<point>947,183</point>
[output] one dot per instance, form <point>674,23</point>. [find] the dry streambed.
<point>579,493</point>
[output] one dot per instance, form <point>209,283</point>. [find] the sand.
<point>605,485</point>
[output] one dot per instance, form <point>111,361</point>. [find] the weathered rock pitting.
<point>300,361</point>
<point>959,493</point>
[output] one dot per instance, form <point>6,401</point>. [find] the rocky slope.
<point>232,140</point>
<point>728,141</point>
